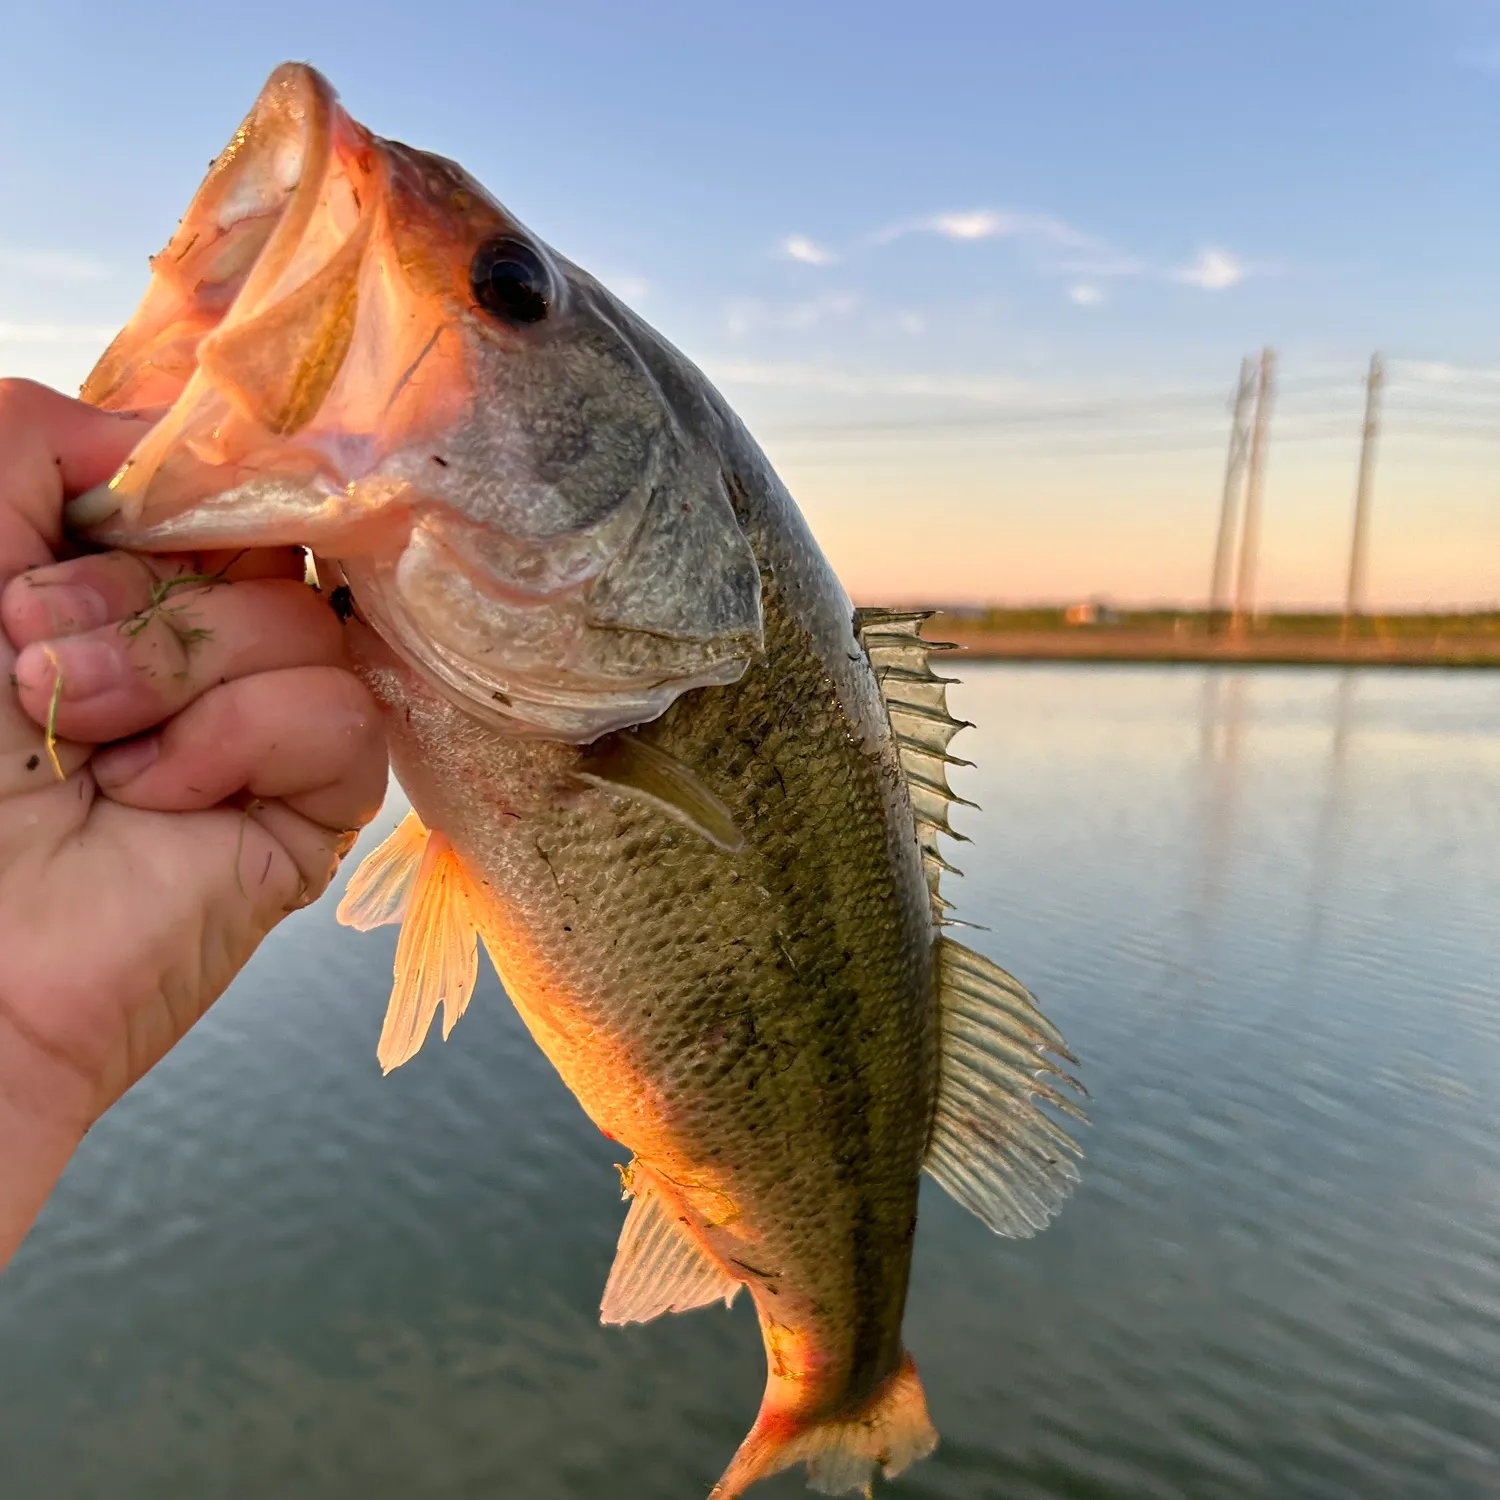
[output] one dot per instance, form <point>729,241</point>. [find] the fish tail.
<point>891,1430</point>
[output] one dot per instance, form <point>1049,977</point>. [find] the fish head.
<point>350,346</point>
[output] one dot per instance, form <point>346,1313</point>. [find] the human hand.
<point>240,758</point>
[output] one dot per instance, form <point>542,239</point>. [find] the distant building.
<point>1092,612</point>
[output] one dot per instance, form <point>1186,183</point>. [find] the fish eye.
<point>511,281</point>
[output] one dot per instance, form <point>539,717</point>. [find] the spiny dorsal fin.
<point>992,1147</point>
<point>916,699</point>
<point>416,879</point>
<point>658,1267</point>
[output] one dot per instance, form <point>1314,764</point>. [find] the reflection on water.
<point>1263,907</point>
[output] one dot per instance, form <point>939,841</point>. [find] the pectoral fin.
<point>625,764</point>
<point>437,957</point>
<point>416,879</point>
<point>659,1267</point>
<point>381,888</point>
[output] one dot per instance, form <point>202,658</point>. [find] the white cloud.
<point>1431,372</point>
<point>903,322</point>
<point>630,288</point>
<point>1214,271</point>
<point>55,265</point>
<point>1102,267</point>
<point>54,333</point>
<point>846,382</point>
<point>747,316</point>
<point>821,309</point>
<point>994,224</point>
<point>1086,295</point>
<point>809,252</point>
<point>978,225</point>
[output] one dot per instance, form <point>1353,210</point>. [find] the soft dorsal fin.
<point>658,1268</point>
<point>415,878</point>
<point>992,1147</point>
<point>916,699</point>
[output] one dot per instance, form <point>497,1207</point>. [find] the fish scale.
<point>802,1150</point>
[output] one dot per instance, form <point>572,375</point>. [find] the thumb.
<point>51,448</point>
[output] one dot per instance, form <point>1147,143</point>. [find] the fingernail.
<point>85,667</point>
<point>117,764</point>
<point>72,608</point>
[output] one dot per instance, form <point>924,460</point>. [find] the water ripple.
<point>1262,907</point>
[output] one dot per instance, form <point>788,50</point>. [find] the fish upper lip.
<point>295,93</point>
<point>247,222</point>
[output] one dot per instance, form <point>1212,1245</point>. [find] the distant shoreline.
<point>1133,646</point>
<point>1408,640</point>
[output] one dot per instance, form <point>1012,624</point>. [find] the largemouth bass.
<point>687,796</point>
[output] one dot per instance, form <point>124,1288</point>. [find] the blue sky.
<point>979,275</point>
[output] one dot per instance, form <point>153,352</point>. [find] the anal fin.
<point>992,1146</point>
<point>658,1267</point>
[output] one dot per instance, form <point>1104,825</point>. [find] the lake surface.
<point>1264,907</point>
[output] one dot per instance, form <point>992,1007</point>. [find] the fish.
<point>687,797</point>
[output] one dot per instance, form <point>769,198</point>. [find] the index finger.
<point>51,448</point>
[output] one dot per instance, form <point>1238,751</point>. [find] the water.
<point>1264,907</point>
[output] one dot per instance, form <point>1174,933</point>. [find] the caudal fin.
<point>891,1430</point>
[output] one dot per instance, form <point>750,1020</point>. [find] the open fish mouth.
<point>244,335</point>
<point>497,478</point>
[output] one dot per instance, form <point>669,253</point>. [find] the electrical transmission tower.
<point>1359,546</point>
<point>1229,504</point>
<point>1245,470</point>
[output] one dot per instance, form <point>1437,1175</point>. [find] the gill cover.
<point>352,347</point>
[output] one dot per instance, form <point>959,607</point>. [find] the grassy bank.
<point>1044,633</point>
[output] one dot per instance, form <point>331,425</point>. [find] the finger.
<point>30,760</point>
<point>308,740</point>
<point>69,598</point>
<point>122,679</point>
<point>51,448</point>
<point>30,757</point>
